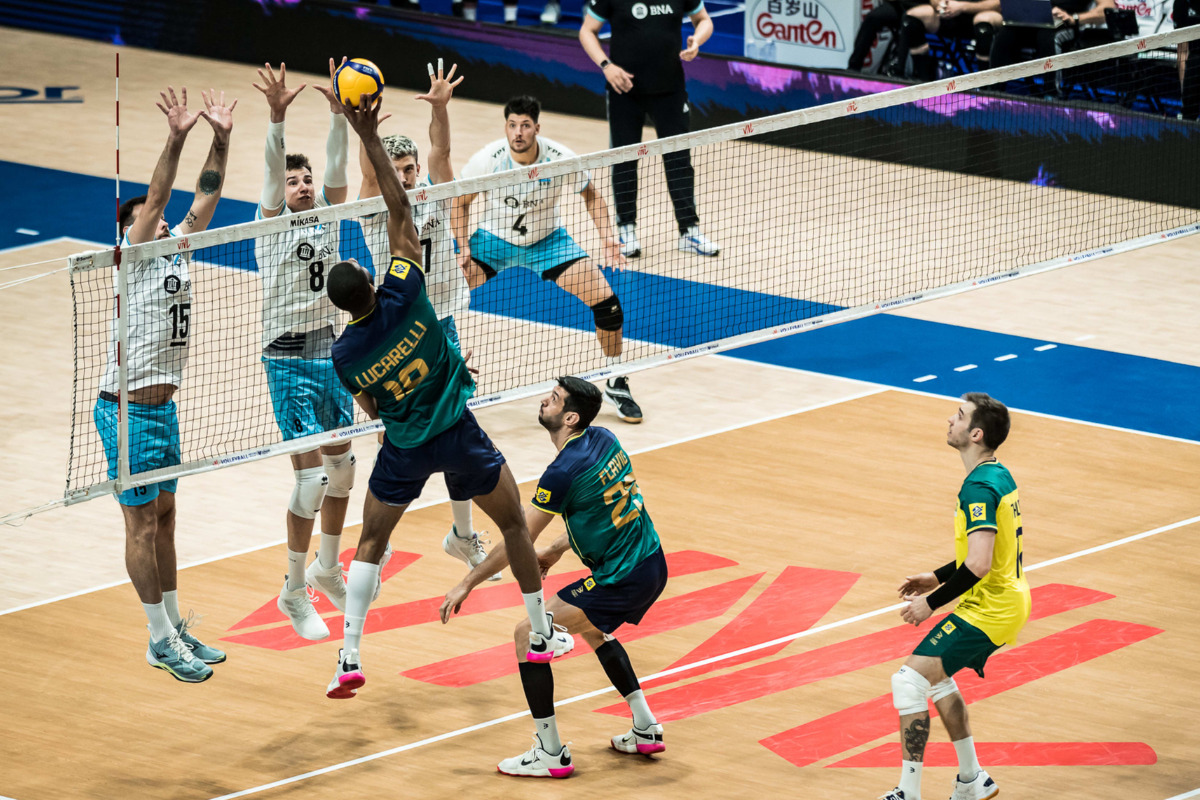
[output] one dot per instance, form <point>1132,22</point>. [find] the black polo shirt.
<point>646,39</point>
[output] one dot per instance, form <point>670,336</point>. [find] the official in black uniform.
<point>645,76</point>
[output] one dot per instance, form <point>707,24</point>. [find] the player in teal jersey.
<point>987,573</point>
<point>592,487</point>
<point>395,358</point>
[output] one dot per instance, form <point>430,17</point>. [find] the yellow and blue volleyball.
<point>357,77</point>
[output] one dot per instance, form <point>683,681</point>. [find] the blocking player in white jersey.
<point>521,228</point>
<point>299,325</point>
<point>444,281</point>
<point>159,323</point>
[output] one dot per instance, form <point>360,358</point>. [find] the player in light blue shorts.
<point>153,443</point>
<point>307,396</point>
<point>550,257</point>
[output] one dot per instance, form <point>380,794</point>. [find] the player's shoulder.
<point>494,152</point>
<point>992,478</point>
<point>554,151</point>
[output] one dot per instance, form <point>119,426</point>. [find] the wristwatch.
<point>1076,18</point>
<point>604,64</point>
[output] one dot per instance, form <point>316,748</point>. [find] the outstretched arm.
<point>703,24</point>
<point>536,520</point>
<point>402,234</point>
<point>179,122</point>
<point>279,97</point>
<point>337,150</point>
<point>441,89</point>
<point>212,175</point>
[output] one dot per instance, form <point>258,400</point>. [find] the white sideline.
<point>875,389</point>
<point>587,695</point>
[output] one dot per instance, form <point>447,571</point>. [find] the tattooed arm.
<point>212,175</point>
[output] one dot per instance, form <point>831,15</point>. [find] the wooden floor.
<point>792,509</point>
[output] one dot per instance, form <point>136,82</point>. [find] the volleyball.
<point>355,78</point>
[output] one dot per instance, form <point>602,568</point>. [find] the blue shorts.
<point>549,257</point>
<point>608,606</point>
<point>153,444</point>
<point>463,452</point>
<point>451,332</point>
<point>307,396</point>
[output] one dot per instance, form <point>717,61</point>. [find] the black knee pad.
<point>608,314</point>
<point>912,32</point>
<point>984,32</point>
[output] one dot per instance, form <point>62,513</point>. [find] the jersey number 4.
<point>626,500</point>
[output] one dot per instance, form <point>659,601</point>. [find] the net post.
<point>123,428</point>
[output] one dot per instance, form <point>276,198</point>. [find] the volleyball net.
<point>821,215</point>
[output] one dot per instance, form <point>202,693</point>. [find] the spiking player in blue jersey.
<point>592,487</point>
<point>395,359</point>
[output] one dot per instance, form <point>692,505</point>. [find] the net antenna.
<point>825,214</point>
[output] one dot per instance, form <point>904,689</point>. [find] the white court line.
<point>1045,347</point>
<point>924,378</point>
<point>418,505</point>
<point>1008,357</point>
<point>1192,793</point>
<point>715,659</point>
<point>966,367</point>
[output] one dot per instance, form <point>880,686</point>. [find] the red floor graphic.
<point>1018,754</point>
<point>665,615</point>
<point>855,726</point>
<point>795,601</point>
<point>801,669</point>
<point>419,612</point>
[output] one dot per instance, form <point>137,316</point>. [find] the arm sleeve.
<point>957,585</point>
<point>336,146</point>
<point>275,169</point>
<point>978,502</point>
<point>551,492</point>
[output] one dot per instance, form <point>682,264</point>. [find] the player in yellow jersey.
<point>988,575</point>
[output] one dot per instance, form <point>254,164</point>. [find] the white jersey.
<point>523,213</point>
<point>444,281</point>
<point>294,265</point>
<point>160,314</point>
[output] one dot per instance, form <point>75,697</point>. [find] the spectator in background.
<point>910,19</point>
<point>1083,25</point>
<point>1187,13</point>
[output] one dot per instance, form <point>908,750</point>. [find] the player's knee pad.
<point>943,689</point>
<point>608,314</point>
<point>909,692</point>
<point>309,492</point>
<point>984,32</point>
<point>340,469</point>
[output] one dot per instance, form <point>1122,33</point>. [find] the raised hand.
<point>217,114</point>
<point>365,118</point>
<point>441,89</point>
<point>279,97</point>
<point>179,118</point>
<point>330,93</point>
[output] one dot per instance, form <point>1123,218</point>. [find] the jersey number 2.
<point>619,496</point>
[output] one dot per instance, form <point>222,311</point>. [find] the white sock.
<point>968,762</point>
<point>295,573</point>
<point>463,526</point>
<point>469,13</point>
<point>171,604</point>
<point>643,717</point>
<point>510,15</point>
<point>910,779</point>
<point>535,606</point>
<point>612,361</point>
<point>327,555</point>
<point>547,733</point>
<point>360,588</point>
<point>160,623</point>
